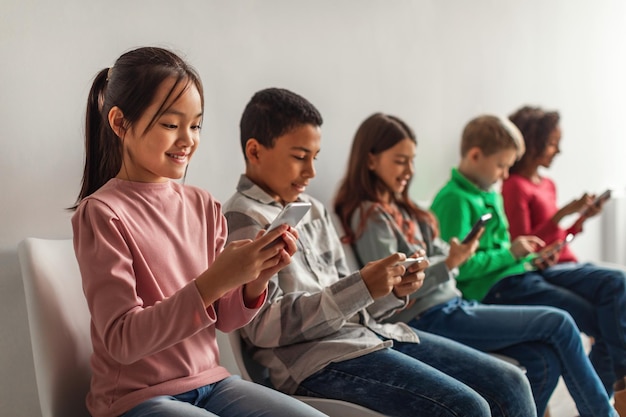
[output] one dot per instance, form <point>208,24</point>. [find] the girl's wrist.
<point>251,296</point>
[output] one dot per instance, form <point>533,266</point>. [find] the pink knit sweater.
<point>140,246</point>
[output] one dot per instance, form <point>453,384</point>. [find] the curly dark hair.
<point>536,125</point>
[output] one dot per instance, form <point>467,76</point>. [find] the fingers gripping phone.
<point>602,197</point>
<point>553,251</point>
<point>291,214</point>
<point>410,261</point>
<point>480,223</point>
<point>568,239</point>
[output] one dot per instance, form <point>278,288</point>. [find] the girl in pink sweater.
<point>157,277</point>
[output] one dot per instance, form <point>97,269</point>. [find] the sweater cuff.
<point>256,303</point>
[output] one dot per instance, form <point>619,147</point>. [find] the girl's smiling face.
<point>161,151</point>
<point>394,167</point>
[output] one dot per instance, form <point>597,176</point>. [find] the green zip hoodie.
<point>457,206</point>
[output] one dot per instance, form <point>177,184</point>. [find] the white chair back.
<point>58,320</point>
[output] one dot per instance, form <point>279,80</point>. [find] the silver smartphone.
<point>568,239</point>
<point>410,261</point>
<point>291,214</point>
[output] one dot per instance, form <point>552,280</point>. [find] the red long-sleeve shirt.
<point>530,207</point>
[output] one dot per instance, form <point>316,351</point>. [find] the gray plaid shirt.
<point>316,312</point>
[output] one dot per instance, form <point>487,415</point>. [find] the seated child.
<point>529,197</point>
<point>530,205</point>
<point>321,332</point>
<point>156,275</point>
<point>379,219</point>
<point>505,272</point>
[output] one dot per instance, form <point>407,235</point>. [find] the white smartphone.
<point>410,261</point>
<point>568,239</point>
<point>480,223</point>
<point>291,214</point>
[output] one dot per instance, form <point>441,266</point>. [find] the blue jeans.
<point>594,296</point>
<point>544,340</point>
<point>437,377</point>
<point>230,397</point>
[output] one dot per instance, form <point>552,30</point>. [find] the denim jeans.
<point>544,340</point>
<point>437,377</point>
<point>594,296</point>
<point>230,397</point>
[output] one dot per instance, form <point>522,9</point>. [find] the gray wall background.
<point>434,63</point>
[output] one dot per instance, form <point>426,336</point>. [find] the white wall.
<point>434,63</point>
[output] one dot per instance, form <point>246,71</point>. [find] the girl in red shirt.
<point>598,303</point>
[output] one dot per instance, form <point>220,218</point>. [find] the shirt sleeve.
<point>455,216</point>
<point>129,330</point>
<point>519,212</point>
<point>294,313</point>
<point>380,239</point>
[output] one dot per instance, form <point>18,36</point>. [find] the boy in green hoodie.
<point>523,271</point>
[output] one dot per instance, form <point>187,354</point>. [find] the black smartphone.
<point>602,197</point>
<point>599,200</point>
<point>480,223</point>
<point>557,248</point>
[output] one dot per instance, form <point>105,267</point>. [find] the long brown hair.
<point>131,85</point>
<point>376,134</point>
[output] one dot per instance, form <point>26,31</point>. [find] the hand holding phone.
<point>291,214</point>
<point>549,255</point>
<point>410,261</point>
<point>597,203</point>
<point>480,223</point>
<point>568,239</point>
<point>602,197</point>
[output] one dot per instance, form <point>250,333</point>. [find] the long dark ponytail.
<point>131,85</point>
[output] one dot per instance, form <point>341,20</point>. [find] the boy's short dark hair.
<point>491,134</point>
<point>273,112</point>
